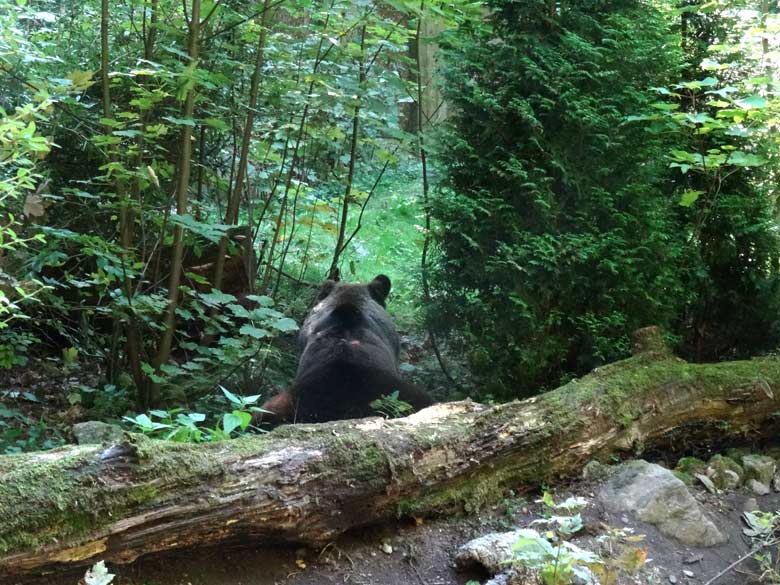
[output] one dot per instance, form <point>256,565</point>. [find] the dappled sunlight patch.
<point>440,411</point>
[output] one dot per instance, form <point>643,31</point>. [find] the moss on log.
<point>310,483</point>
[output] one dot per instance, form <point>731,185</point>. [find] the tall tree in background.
<point>555,241</point>
<point>181,196</point>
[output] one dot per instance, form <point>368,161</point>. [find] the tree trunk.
<point>231,215</point>
<point>182,191</point>
<point>310,483</point>
<point>334,265</point>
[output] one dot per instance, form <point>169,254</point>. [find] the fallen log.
<point>310,483</point>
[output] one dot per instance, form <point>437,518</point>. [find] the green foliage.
<point>764,531</point>
<point>185,427</point>
<point>22,187</point>
<point>559,561</point>
<point>14,347</point>
<point>98,575</point>
<point>724,160</point>
<point>20,432</point>
<point>390,406</point>
<point>556,559</point>
<point>555,239</point>
<point>109,225</point>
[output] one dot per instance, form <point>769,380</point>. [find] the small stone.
<point>94,432</point>
<point>672,579</point>
<point>386,548</point>
<point>750,505</point>
<point>595,471</point>
<point>724,472</point>
<point>707,482</point>
<point>695,558</point>
<point>759,467</point>
<point>758,488</point>
<point>688,574</point>
<point>730,480</point>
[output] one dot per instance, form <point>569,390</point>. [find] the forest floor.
<point>411,553</point>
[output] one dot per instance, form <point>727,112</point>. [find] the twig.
<point>741,559</point>
<point>417,572</point>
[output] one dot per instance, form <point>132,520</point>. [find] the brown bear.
<point>349,357</point>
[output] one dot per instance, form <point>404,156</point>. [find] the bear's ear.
<point>379,288</point>
<point>326,289</point>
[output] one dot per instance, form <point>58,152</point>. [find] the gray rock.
<point>672,579</point>
<point>759,467</point>
<point>491,552</point>
<point>656,496</point>
<point>757,487</point>
<point>776,482</point>
<point>93,432</point>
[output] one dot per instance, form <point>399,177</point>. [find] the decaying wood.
<point>310,483</point>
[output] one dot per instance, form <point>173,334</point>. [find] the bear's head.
<point>349,324</point>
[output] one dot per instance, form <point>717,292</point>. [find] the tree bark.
<point>182,192</point>
<point>333,271</point>
<point>310,483</point>
<point>234,203</point>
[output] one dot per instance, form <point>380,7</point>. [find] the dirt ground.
<point>406,553</point>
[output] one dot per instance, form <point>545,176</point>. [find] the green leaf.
<point>689,197</point>
<point>754,102</point>
<point>664,106</point>
<point>127,133</point>
<point>230,422</point>
<point>211,231</point>
<point>285,324</point>
<point>245,417</point>
<point>253,331</point>
<point>698,118</point>
<point>216,123</point>
<point>263,301</point>
<point>744,159</point>
<point>180,121</point>
<point>230,396</point>
<point>216,297</point>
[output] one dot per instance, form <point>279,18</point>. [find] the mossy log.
<point>310,483</point>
